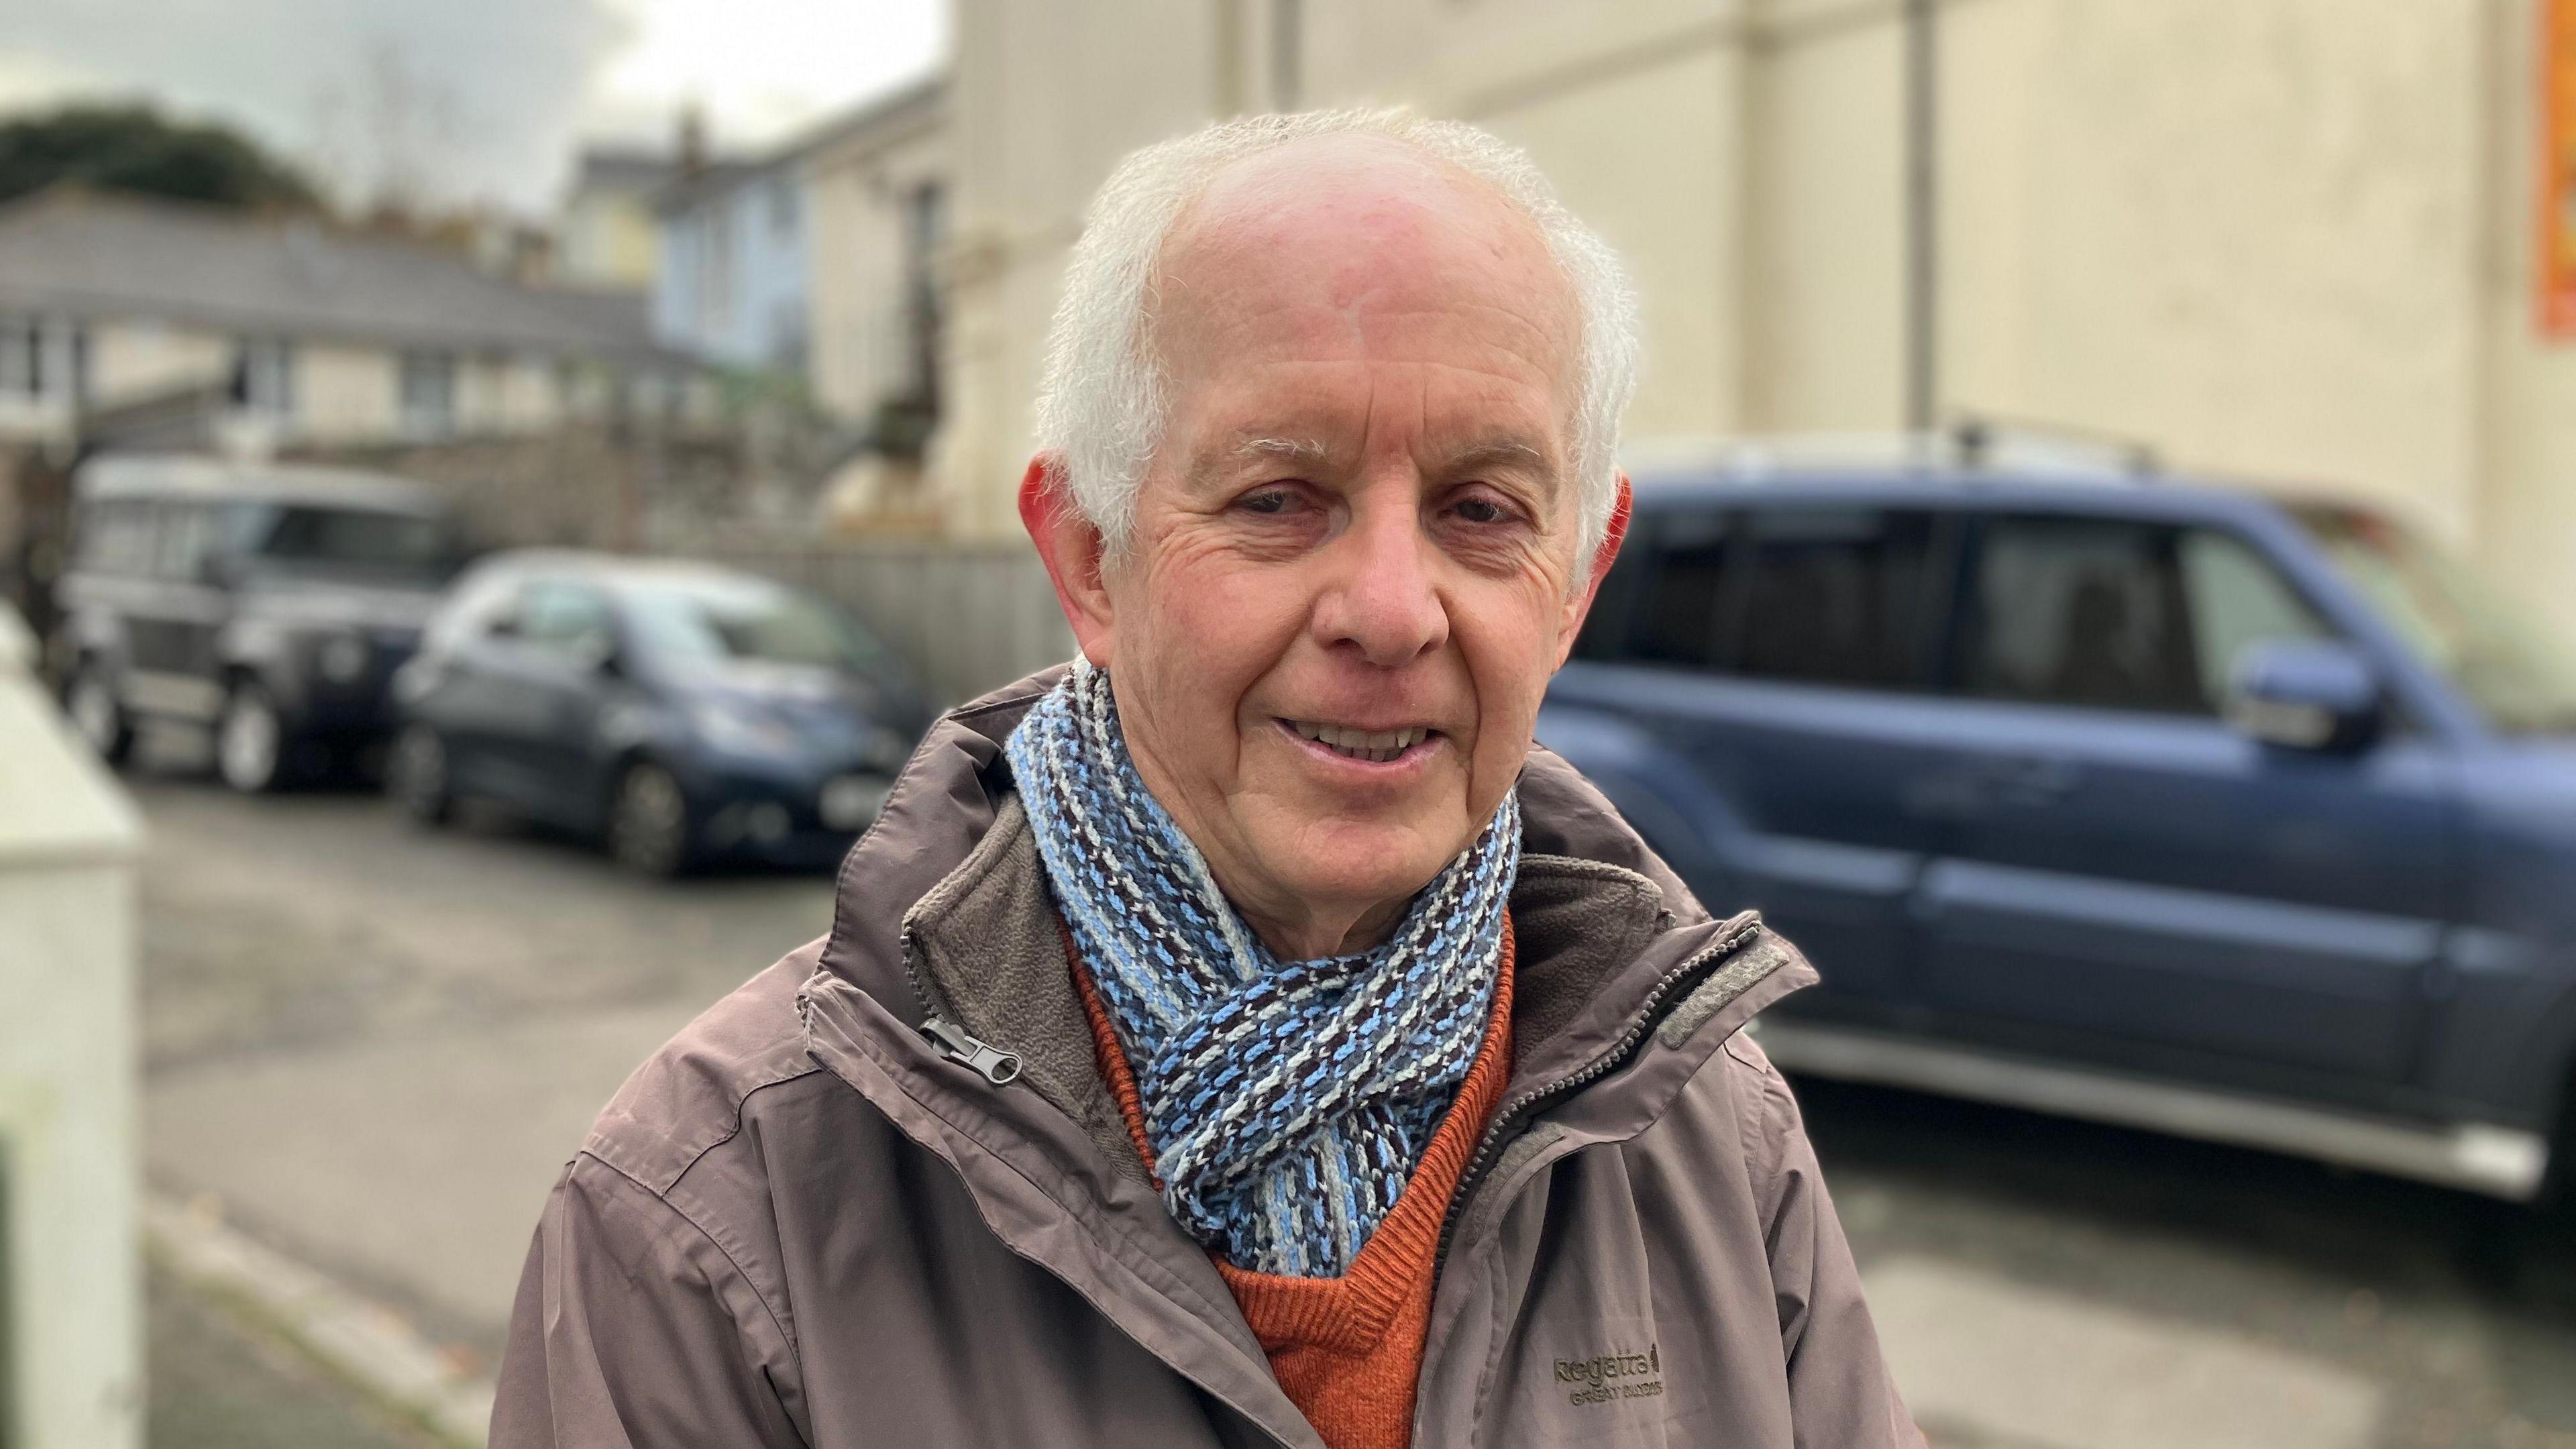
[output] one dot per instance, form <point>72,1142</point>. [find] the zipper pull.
<point>994,1065</point>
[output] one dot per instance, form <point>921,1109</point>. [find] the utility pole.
<point>1922,216</point>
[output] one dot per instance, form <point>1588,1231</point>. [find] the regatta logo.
<point>1607,1376</point>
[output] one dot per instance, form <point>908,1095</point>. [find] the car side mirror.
<point>597,654</point>
<point>2306,694</point>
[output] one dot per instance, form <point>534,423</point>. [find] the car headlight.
<point>342,658</point>
<point>886,751</point>
<point>738,730</point>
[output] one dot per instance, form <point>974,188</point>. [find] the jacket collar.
<point>943,909</point>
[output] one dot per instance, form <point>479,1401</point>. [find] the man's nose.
<point>1383,601</point>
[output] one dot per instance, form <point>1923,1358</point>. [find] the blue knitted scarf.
<point>1287,1101</point>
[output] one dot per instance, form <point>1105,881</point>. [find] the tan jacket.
<point>808,1222</point>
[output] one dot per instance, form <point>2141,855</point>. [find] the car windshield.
<point>750,621</point>
<point>2482,641</point>
<point>360,540</point>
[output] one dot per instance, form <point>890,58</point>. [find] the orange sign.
<point>2555,265</point>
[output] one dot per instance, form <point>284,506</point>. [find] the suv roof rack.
<point>1972,445</point>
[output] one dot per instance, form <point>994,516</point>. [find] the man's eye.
<point>1481,510</point>
<point>1267,500</point>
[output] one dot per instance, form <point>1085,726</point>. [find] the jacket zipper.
<point>1696,965</point>
<point>993,1064</point>
<point>999,1067</point>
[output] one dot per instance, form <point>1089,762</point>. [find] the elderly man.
<point>1245,1036</point>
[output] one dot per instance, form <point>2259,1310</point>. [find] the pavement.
<point>370,1049</point>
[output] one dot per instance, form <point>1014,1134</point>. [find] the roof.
<point>622,168</point>
<point>2151,496</point>
<point>166,475</point>
<point>90,254</point>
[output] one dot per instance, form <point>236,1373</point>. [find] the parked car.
<point>677,711</point>
<point>269,603</point>
<point>2168,805</point>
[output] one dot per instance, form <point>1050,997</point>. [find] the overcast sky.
<point>459,100</point>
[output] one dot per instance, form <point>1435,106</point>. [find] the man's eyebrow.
<point>1497,452</point>
<point>1295,450</point>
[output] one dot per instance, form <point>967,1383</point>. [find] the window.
<point>1832,596</point>
<point>1676,618</point>
<point>782,205</point>
<point>2081,611</point>
<point>428,394</point>
<point>264,377</point>
<point>2237,599</point>
<point>357,540</point>
<point>1824,595</point>
<point>566,618</point>
<point>22,357</point>
<point>188,538</point>
<point>2490,645</point>
<point>925,226</point>
<point>116,537</point>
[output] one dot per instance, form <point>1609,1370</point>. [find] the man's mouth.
<point>1375,746</point>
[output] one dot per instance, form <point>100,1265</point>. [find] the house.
<point>302,334</point>
<point>605,231</point>
<point>876,185</point>
<point>814,262</point>
<point>732,289</point>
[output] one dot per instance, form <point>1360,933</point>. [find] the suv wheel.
<point>250,741</point>
<point>650,826</point>
<point>96,713</point>
<point>416,775</point>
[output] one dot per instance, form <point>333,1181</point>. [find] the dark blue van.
<point>2161,804</point>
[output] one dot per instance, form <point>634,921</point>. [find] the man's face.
<point>1353,567</point>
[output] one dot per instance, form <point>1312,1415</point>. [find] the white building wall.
<point>73,1322</point>
<point>346,394</point>
<point>2287,240</point>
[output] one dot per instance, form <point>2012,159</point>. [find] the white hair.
<point>1102,402</point>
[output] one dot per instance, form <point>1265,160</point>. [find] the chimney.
<point>693,139</point>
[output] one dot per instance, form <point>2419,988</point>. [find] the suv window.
<point>2118,615</point>
<point>116,537</point>
<point>1830,596</point>
<point>1823,595</point>
<point>187,538</point>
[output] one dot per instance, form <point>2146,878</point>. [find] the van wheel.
<point>651,829</point>
<point>250,741</point>
<point>416,775</point>
<point>98,715</point>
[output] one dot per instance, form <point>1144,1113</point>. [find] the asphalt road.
<point>375,1046</point>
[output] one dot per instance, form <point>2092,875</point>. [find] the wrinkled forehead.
<point>1331,240</point>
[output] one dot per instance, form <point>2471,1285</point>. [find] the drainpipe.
<point>1922,216</point>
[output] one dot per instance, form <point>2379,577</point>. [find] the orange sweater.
<point>1348,1350</point>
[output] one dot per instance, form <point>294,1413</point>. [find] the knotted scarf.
<point>1287,1101</point>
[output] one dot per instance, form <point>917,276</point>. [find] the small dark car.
<point>677,711</point>
<point>2178,806</point>
<point>268,602</point>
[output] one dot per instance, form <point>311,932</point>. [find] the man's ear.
<point>1073,552</point>
<point>1607,554</point>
